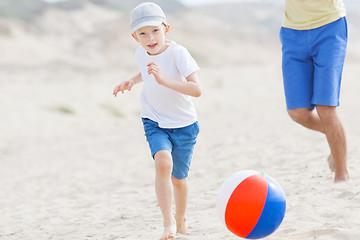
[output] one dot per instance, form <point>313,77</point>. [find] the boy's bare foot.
<point>331,163</point>
<point>169,231</point>
<point>181,226</point>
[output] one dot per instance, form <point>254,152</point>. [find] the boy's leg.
<point>164,191</point>
<point>336,138</point>
<point>184,140</point>
<point>181,191</point>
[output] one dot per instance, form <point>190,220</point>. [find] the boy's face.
<point>152,39</point>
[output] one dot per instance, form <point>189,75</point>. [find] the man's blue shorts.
<point>179,142</point>
<point>312,64</point>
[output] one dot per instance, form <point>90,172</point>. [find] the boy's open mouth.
<point>152,45</point>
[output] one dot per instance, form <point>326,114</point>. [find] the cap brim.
<point>146,24</point>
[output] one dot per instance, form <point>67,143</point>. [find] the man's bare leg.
<point>335,135</point>
<point>326,121</point>
<point>164,192</point>
<point>331,164</point>
<point>181,196</point>
<point>307,118</point>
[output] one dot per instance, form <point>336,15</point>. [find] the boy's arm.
<point>127,84</point>
<point>137,78</point>
<point>191,87</point>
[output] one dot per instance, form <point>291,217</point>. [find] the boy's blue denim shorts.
<point>312,64</point>
<point>179,142</point>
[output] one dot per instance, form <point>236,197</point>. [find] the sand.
<point>75,163</point>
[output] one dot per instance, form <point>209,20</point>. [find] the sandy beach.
<point>75,164</point>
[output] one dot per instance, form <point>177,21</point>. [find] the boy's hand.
<point>124,85</point>
<point>155,70</point>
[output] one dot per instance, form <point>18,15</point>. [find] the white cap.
<point>145,15</point>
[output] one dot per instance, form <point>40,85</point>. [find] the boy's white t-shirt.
<point>170,109</point>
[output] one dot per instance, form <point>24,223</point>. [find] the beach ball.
<point>251,204</point>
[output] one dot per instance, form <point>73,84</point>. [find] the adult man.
<point>314,39</point>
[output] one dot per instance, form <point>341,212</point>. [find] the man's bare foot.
<point>331,163</point>
<point>341,178</point>
<point>169,231</point>
<point>181,226</point>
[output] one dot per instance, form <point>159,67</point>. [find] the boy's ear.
<point>135,37</point>
<point>167,28</point>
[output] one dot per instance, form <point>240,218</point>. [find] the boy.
<point>169,74</point>
<point>314,39</point>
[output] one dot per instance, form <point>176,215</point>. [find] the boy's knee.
<point>179,183</point>
<point>163,162</point>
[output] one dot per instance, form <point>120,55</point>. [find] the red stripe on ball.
<point>246,204</point>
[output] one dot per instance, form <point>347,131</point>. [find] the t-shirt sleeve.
<point>185,63</point>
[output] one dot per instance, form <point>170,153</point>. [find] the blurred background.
<point>94,34</point>
<point>56,56</point>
